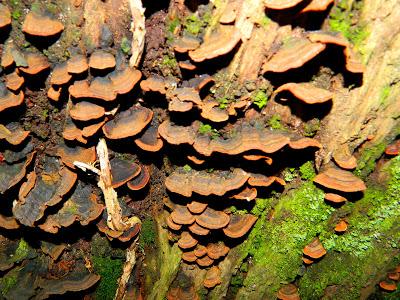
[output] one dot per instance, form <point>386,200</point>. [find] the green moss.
<point>207,129</point>
<point>187,168</point>
<point>366,163</point>
<point>289,174</point>
<point>276,245</point>
<point>261,206</point>
<point>22,251</point>
<point>307,171</point>
<point>110,270</point>
<point>312,127</point>
<point>193,24</point>
<point>16,14</point>
<point>234,210</point>
<point>223,102</point>
<point>169,62</point>
<point>275,122</point>
<point>384,94</point>
<point>125,45</point>
<point>148,234</point>
<point>9,281</point>
<point>260,99</point>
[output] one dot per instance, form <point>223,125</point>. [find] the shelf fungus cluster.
<point>390,283</point>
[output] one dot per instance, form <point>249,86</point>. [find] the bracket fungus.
<point>5,16</point>
<point>41,25</point>
<point>213,277</point>
<point>340,180</point>
<point>306,92</point>
<point>314,250</point>
<point>288,292</point>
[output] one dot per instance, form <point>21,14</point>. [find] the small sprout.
<point>125,45</point>
<point>207,129</point>
<point>172,25</point>
<point>169,62</point>
<point>275,122</point>
<point>16,14</point>
<point>187,168</point>
<point>260,99</point>
<point>223,103</point>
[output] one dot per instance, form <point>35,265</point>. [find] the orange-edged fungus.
<point>5,16</point>
<point>388,285</point>
<point>204,183</point>
<point>8,222</point>
<point>77,64</point>
<point>197,207</point>
<point>204,261</point>
<point>177,105</point>
<point>124,81</point>
<point>195,159</point>
<point>341,226</point>
<point>213,277</point>
<point>73,133</point>
<point>340,180</point>
<point>185,43</point>
<point>189,256</point>
<point>186,65</point>
<point>128,123</point>
<point>317,5</point>
<point>394,276</point>
<point>186,241</point>
<point>288,292</point>
<point>328,37</point>
<point>10,175</point>
<point>101,60</point>
<point>222,41</point>
<point>54,93</point>
<point>13,134</point>
<point>172,225</point>
<point>261,180</point>
<point>41,25</point>
<point>68,155</point>
<point>217,250</point>
<point>314,249</point>
<point>212,219</point>
<point>36,63</point>
<point>281,4</point>
<point>176,135</point>
<point>293,54</point>
<point>210,110</point>
<point>14,81</point>
<point>393,149</point>
<point>154,84</point>
<point>80,89</point>
<point>304,142</point>
<point>122,171</point>
<point>200,251</point>
<point>60,75</point>
<point>239,225</point>
<point>141,180</point>
<point>247,194</point>
<point>253,157</point>
<point>150,140</point>
<point>344,159</point>
<point>197,229</point>
<point>334,198</point>
<point>9,99</point>
<point>181,215</point>
<point>86,111</point>
<point>306,92</point>
<point>307,260</point>
<point>103,89</point>
<point>353,62</point>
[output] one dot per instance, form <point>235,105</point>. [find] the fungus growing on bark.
<point>5,16</point>
<point>340,180</point>
<point>210,110</point>
<point>317,5</point>
<point>200,251</point>
<point>247,194</point>
<point>304,143</point>
<point>86,111</point>
<point>122,171</point>
<point>41,25</point>
<point>77,64</point>
<point>213,277</point>
<point>281,4</point>
<point>239,225</point>
<point>197,207</point>
<point>197,229</point>
<point>102,88</point>
<point>189,256</point>
<point>181,215</point>
<point>60,75</point>
<point>288,292</point>
<point>36,63</point>
<point>393,149</point>
<point>187,241</point>
<point>154,84</point>
<point>306,92</point>
<point>12,174</point>
<point>341,226</point>
<point>140,181</point>
<point>125,80</point>
<point>204,261</point>
<point>171,224</point>
<point>128,123</point>
<point>388,285</point>
<point>335,198</point>
<point>9,99</point>
<point>185,44</point>
<point>150,140</point>
<point>101,60</point>
<point>344,159</point>
<point>13,134</point>
<point>212,219</point>
<point>217,250</point>
<point>314,250</point>
<point>68,155</point>
<point>14,81</point>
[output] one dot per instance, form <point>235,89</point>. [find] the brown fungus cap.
<point>196,160</point>
<point>41,25</point>
<point>189,256</point>
<point>150,140</point>
<point>217,250</point>
<point>60,74</point>
<point>86,111</point>
<point>288,292</point>
<point>5,16</point>
<point>344,159</point>
<point>281,4</point>
<point>255,157</point>
<point>200,251</point>
<point>239,225</point>
<point>128,123</point>
<point>247,194</point>
<point>14,135</point>
<point>176,135</point>
<point>221,42</point>
<point>9,99</point>
<point>294,54</point>
<point>101,60</point>
<point>125,80</point>
<point>182,216</point>
<point>204,183</point>
<point>204,261</point>
<point>141,180</point>
<point>334,198</point>
<point>353,61</point>
<point>393,149</point>
<point>306,92</point>
<point>12,174</point>
<point>388,285</point>
<point>177,105</point>
<point>54,93</point>
<point>260,180</point>
<point>172,225</point>
<point>314,250</point>
<point>103,89</point>
<point>8,223</point>
<point>36,63</point>
<point>68,155</point>
<point>122,171</point>
<point>154,84</point>
<point>197,229</point>
<point>185,43</point>
<point>340,180</point>
<point>186,241</point>
<point>210,110</point>
<point>304,143</point>
<point>197,207</point>
<point>328,37</point>
<point>77,64</point>
<point>317,5</point>
<point>186,65</point>
<point>213,277</point>
<point>80,89</point>
<point>212,219</point>
<point>73,133</point>
<point>341,226</point>
<point>14,81</point>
